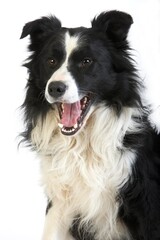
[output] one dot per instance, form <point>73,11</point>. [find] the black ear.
<point>116,24</point>
<point>40,28</point>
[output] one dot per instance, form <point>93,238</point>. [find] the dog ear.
<point>39,29</point>
<point>115,24</point>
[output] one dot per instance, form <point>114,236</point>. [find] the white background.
<point>22,202</point>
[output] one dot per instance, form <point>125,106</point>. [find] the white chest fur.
<point>84,173</point>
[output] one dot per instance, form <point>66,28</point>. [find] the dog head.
<point>75,69</point>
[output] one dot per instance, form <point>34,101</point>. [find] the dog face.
<point>78,68</point>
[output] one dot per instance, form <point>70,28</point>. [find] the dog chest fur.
<point>83,173</point>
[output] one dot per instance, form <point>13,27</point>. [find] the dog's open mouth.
<point>72,115</point>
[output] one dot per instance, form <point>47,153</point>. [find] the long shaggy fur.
<point>101,176</point>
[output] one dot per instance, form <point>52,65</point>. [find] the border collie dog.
<point>100,157</point>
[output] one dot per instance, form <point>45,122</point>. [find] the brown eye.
<point>86,62</point>
<point>52,62</point>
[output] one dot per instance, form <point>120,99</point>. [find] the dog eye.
<point>52,62</point>
<point>86,62</point>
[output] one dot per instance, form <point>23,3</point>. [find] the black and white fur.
<point>102,175</point>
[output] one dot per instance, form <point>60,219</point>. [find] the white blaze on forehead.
<point>71,43</point>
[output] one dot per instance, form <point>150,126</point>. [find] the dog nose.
<point>56,89</point>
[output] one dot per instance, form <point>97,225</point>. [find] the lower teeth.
<point>71,129</point>
<point>76,125</point>
<point>68,130</point>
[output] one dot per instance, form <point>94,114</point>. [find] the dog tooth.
<point>60,125</point>
<point>85,99</point>
<point>76,125</point>
<point>62,106</point>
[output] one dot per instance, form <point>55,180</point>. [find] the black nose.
<point>56,89</point>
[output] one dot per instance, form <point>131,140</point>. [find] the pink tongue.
<point>71,114</point>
